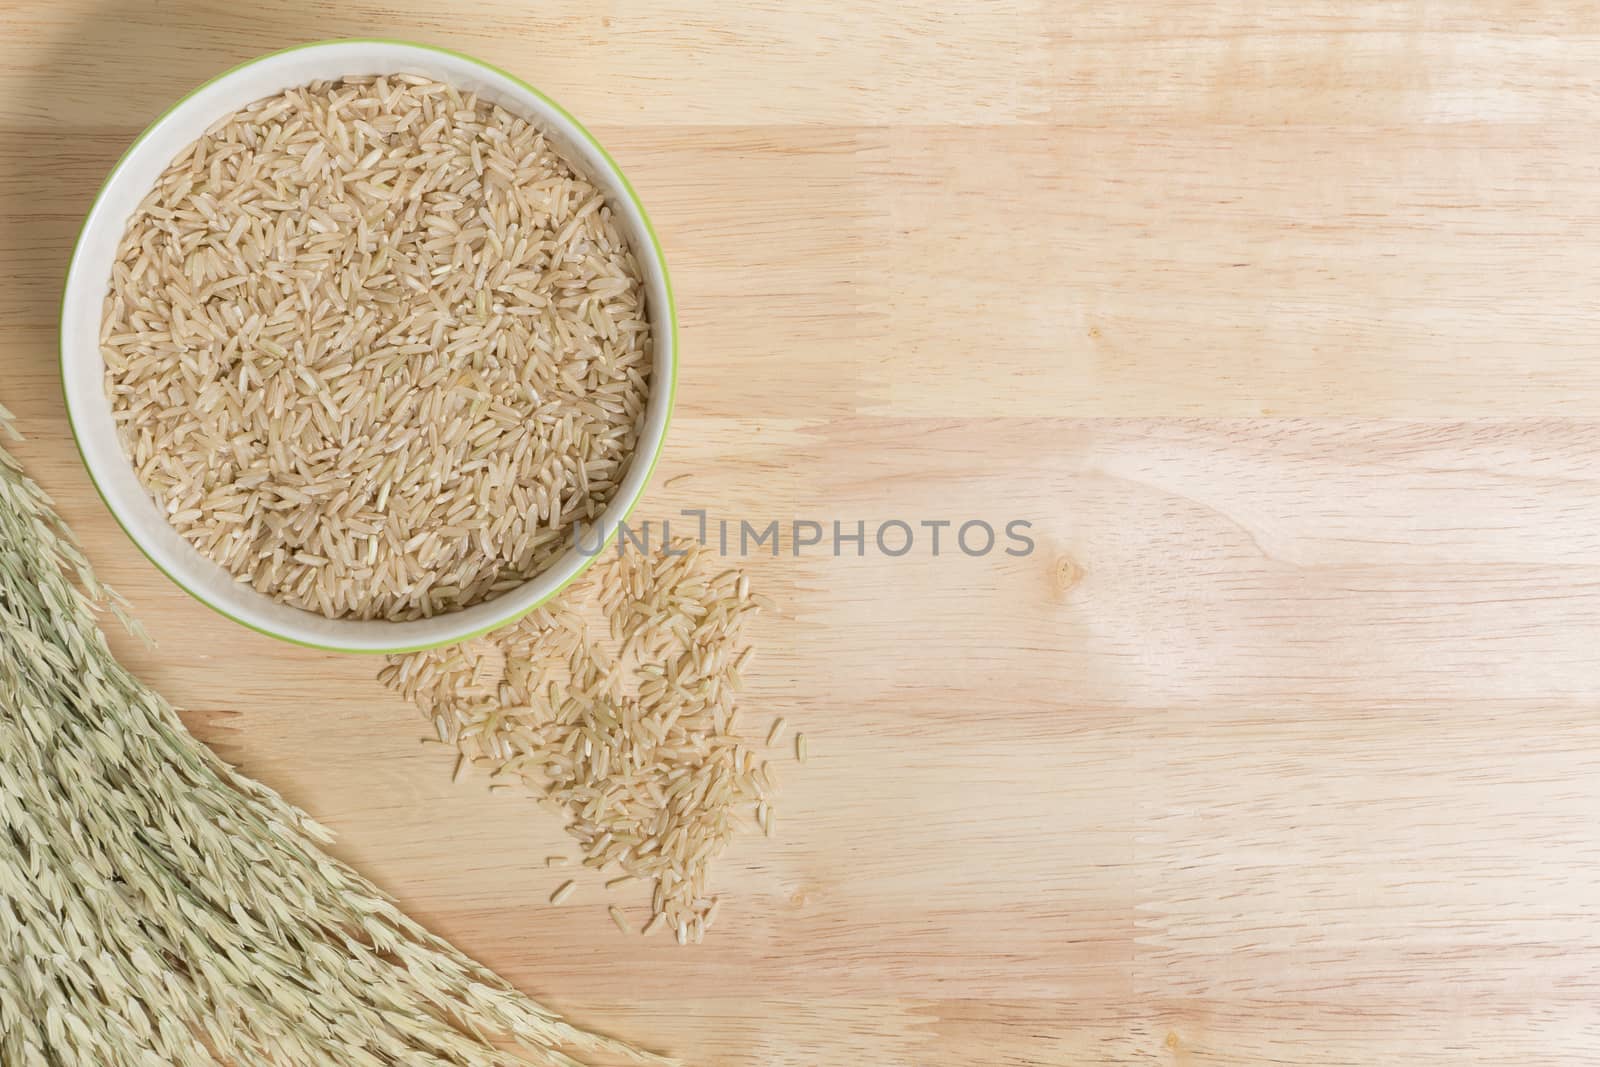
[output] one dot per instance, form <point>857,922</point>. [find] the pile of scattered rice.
<point>618,705</point>
<point>374,346</point>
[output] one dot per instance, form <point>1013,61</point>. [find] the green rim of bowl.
<point>661,260</point>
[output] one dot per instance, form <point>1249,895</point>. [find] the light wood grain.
<point>1276,320</point>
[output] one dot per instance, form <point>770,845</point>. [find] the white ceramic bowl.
<point>88,278</point>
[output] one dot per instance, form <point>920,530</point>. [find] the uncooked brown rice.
<point>374,347</point>
<point>616,704</point>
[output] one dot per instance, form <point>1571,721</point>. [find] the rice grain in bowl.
<point>375,348</point>
<point>373,345</point>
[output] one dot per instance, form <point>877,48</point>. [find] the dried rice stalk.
<point>374,346</point>
<point>158,909</point>
<point>617,703</point>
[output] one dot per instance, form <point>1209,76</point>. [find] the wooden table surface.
<point>1279,322</point>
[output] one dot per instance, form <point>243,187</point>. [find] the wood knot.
<point>1067,574</point>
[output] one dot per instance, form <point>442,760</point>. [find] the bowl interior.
<point>89,409</point>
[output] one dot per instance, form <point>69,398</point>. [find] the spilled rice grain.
<point>616,705</point>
